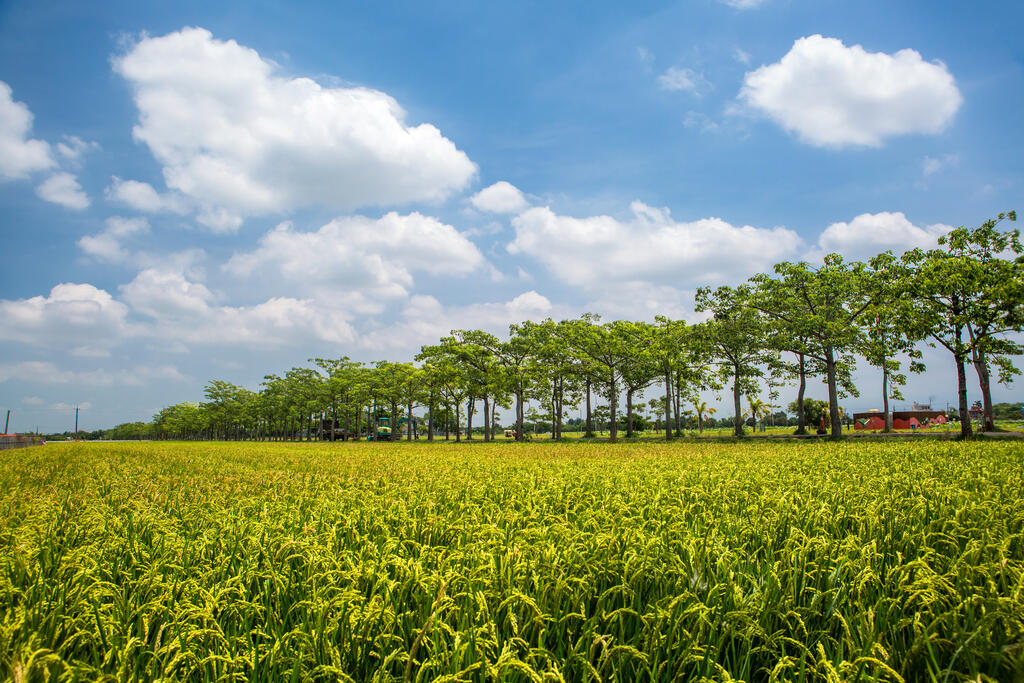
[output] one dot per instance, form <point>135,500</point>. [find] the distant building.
<point>901,419</point>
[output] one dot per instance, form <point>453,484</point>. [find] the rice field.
<point>857,561</point>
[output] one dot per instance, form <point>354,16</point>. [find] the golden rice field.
<point>857,561</point>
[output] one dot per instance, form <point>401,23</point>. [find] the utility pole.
<point>8,422</point>
<point>76,423</point>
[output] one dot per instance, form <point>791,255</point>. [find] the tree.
<point>998,305</point>
<point>606,347</point>
<point>758,409</point>
<point>820,307</point>
<point>885,335</point>
<point>735,340</point>
<point>960,305</point>
<point>701,408</point>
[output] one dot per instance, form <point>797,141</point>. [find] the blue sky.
<point>190,192</point>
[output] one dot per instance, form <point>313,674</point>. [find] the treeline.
<point>797,323</point>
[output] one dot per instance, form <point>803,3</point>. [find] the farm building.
<point>901,419</point>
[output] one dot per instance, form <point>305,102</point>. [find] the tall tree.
<point>965,299</point>
<point>821,306</point>
<point>734,336</point>
<point>998,305</point>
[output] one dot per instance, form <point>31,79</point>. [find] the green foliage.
<point>376,562</point>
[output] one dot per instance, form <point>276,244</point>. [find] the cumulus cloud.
<point>241,139</point>
<point>644,301</point>
<point>143,197</point>
<point>501,197</point>
<point>357,255</point>
<point>19,155</point>
<point>185,311</point>
<point>71,315</point>
<point>649,247</point>
<point>424,320</point>
<point>106,246</point>
<point>63,189</point>
<point>832,95</point>
<point>872,233</point>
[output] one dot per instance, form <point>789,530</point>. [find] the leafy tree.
<point>886,334</point>
<point>998,305</point>
<point>734,337</point>
<point>965,299</point>
<point>818,308</point>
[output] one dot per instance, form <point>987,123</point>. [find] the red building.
<point>901,419</point>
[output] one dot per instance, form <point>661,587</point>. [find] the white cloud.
<point>741,56</point>
<point>45,372</point>
<point>931,166</point>
<point>143,197</point>
<point>425,320</point>
<point>106,246</point>
<point>19,155</point>
<point>743,4</point>
<point>650,247</point>
<point>33,401</point>
<point>361,256</point>
<point>72,315</point>
<point>676,78</point>
<point>73,148</point>
<point>501,197</point>
<point>831,95</point>
<point>184,311</point>
<point>869,234</point>
<point>644,301</point>
<point>242,140</point>
<point>63,189</point>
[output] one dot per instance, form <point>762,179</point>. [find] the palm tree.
<point>702,409</point>
<point>758,409</point>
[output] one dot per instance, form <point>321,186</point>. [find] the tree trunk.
<point>558,414</point>
<point>833,394</point>
<point>470,407</point>
<point>801,418</point>
<point>629,413</point>
<point>737,419</point>
<point>458,423</point>
<point>678,401</point>
<point>590,424</point>
<point>394,421</point>
<point>430,418</point>
<point>961,392</point>
<point>984,383</point>
<point>668,403</point>
<point>408,423</point>
<point>885,397</point>
<point>488,436</point>
<point>553,429</point>
<point>519,414</point>
<point>613,399</point>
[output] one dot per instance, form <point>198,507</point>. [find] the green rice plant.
<point>862,560</point>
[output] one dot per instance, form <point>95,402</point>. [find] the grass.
<point>754,561</point>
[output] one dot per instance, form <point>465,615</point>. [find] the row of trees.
<point>797,323</point>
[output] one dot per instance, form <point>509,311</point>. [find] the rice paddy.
<point>513,562</point>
